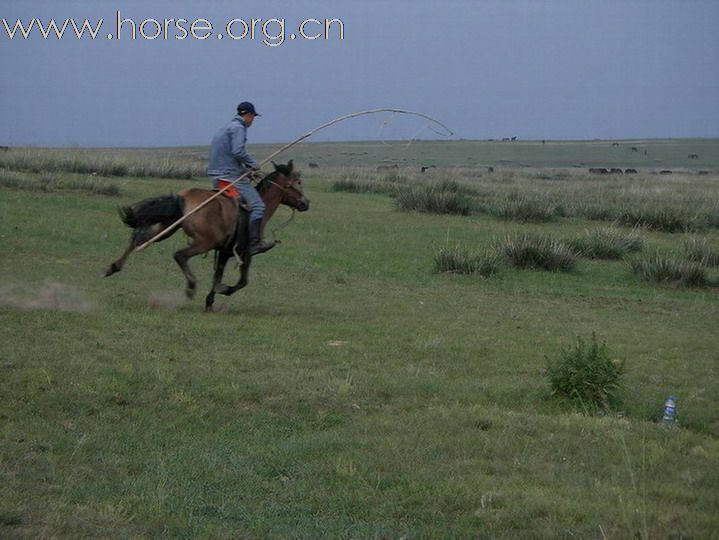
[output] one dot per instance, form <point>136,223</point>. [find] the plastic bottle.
<point>670,411</point>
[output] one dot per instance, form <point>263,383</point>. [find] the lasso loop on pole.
<point>290,145</point>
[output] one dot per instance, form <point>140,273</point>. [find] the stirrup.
<point>261,247</point>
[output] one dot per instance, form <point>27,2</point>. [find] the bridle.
<point>291,187</point>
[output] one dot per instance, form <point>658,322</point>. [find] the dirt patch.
<point>166,300</point>
<point>48,295</point>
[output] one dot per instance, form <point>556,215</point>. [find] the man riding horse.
<point>229,159</point>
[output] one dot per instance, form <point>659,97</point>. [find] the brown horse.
<point>214,226</point>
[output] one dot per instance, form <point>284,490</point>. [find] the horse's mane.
<point>268,179</point>
<point>263,184</point>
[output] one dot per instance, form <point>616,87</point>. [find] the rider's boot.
<point>257,244</point>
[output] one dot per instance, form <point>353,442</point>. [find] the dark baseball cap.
<point>247,107</point>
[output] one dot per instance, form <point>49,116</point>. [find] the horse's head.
<point>288,182</point>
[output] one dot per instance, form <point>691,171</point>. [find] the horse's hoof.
<point>190,292</point>
<point>111,270</point>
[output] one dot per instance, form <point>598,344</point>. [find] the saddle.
<point>235,242</point>
<point>232,193</point>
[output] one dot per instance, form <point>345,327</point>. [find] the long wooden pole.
<point>285,147</point>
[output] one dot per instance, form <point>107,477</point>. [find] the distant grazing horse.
<point>693,156</point>
<point>214,226</point>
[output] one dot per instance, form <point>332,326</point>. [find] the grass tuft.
<point>606,243</point>
<point>701,251</point>
<point>539,252</point>
<point>669,219</point>
<point>433,200</point>
<point>585,376</point>
<point>457,260</point>
<point>357,186</point>
<point>525,210</point>
<point>667,270</point>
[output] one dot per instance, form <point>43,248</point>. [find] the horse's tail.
<point>163,210</point>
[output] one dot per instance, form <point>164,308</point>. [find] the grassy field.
<point>352,391</point>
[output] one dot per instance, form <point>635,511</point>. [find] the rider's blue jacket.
<point>228,156</point>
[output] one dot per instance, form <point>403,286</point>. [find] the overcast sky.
<point>488,69</point>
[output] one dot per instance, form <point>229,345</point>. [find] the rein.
<point>274,230</point>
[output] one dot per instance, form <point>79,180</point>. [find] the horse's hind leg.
<point>116,266</point>
<point>181,257</point>
<point>221,259</point>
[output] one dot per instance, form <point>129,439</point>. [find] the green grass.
<point>350,391</point>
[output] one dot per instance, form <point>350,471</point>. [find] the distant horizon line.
<point>374,141</point>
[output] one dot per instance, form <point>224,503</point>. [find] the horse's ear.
<point>290,165</point>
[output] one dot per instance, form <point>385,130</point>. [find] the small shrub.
<point>538,252</point>
<point>525,210</point>
<point>606,243</point>
<point>663,269</point>
<point>459,261</point>
<point>701,251</point>
<point>585,376</point>
<point>433,201</point>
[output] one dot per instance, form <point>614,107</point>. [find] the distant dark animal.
<point>514,138</point>
<point>505,139</point>
<point>703,173</point>
<point>635,149</point>
<point>544,141</point>
<point>427,167</point>
<point>4,148</point>
<point>693,156</point>
<point>630,171</point>
<point>314,166</point>
<point>616,171</point>
<point>214,226</point>
<point>490,169</point>
<point>665,171</point>
<point>598,170</point>
<point>615,144</point>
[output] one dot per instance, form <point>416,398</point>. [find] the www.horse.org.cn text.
<point>271,32</point>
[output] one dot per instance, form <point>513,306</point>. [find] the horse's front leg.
<point>243,279</point>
